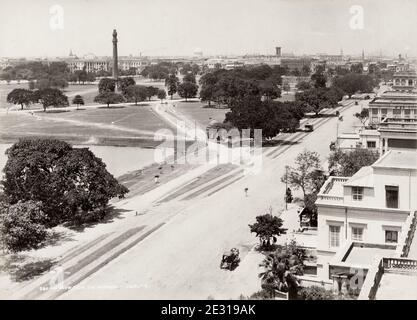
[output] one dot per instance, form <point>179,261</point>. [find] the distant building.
<point>293,81</point>
<point>293,64</point>
<point>397,134</point>
<point>393,104</point>
<point>399,103</point>
<point>404,80</point>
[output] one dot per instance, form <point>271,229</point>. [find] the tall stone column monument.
<point>115,63</point>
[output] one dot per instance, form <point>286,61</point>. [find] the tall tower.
<point>115,63</point>
<point>278,51</point>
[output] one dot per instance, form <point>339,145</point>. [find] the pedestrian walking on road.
<point>246,191</point>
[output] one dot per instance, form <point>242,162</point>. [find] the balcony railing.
<point>330,198</point>
<point>399,264</point>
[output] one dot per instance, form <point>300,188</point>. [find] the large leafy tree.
<point>107,85</point>
<point>189,77</point>
<point>319,80</point>
<point>187,90</point>
<point>151,91</point>
<point>23,97</point>
<point>126,82</point>
<point>109,98</point>
<point>267,227</point>
<point>136,93</point>
<point>316,99</point>
<point>22,225</point>
<point>354,82</point>
<point>72,184</point>
<point>78,100</point>
<point>347,163</point>
<point>269,90</point>
<point>303,175</point>
<point>50,97</point>
<point>270,117</point>
<point>171,83</point>
<point>161,94</point>
<point>208,85</point>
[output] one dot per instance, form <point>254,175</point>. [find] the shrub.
<point>315,293</point>
<point>22,226</point>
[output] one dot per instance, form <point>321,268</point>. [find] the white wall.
<point>374,222</point>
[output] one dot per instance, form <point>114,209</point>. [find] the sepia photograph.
<point>196,150</point>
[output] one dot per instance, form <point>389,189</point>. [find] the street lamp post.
<point>286,187</point>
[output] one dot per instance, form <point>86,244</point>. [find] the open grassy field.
<point>197,111</point>
<point>130,125</point>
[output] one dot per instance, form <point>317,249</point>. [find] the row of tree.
<point>129,91</point>
<point>47,97</point>
<point>225,86</point>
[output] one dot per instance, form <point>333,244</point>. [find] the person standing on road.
<point>246,192</point>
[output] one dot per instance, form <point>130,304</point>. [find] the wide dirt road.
<point>181,259</point>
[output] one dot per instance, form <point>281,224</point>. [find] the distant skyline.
<point>217,27</point>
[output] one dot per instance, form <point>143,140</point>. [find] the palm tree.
<point>78,100</point>
<point>281,268</point>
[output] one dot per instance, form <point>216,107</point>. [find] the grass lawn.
<point>197,111</point>
<point>130,122</point>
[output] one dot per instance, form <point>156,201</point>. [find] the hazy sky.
<point>178,27</point>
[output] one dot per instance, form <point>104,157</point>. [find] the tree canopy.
<point>187,90</point>
<point>107,85</point>
<point>347,163</point>
<point>267,227</point>
<point>126,82</point>
<point>109,98</point>
<point>303,175</point>
<point>71,183</point>
<point>50,97</point>
<point>136,93</point>
<point>23,97</point>
<point>269,116</point>
<point>22,225</point>
<point>354,82</point>
<point>78,100</point>
<point>171,83</point>
<point>281,268</point>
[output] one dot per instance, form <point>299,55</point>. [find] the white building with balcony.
<point>363,215</point>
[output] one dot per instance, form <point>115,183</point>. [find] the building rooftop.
<point>364,254</point>
<point>402,159</point>
<point>394,286</point>
<point>369,132</point>
<point>362,178</point>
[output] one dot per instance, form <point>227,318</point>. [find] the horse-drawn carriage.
<point>230,260</point>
